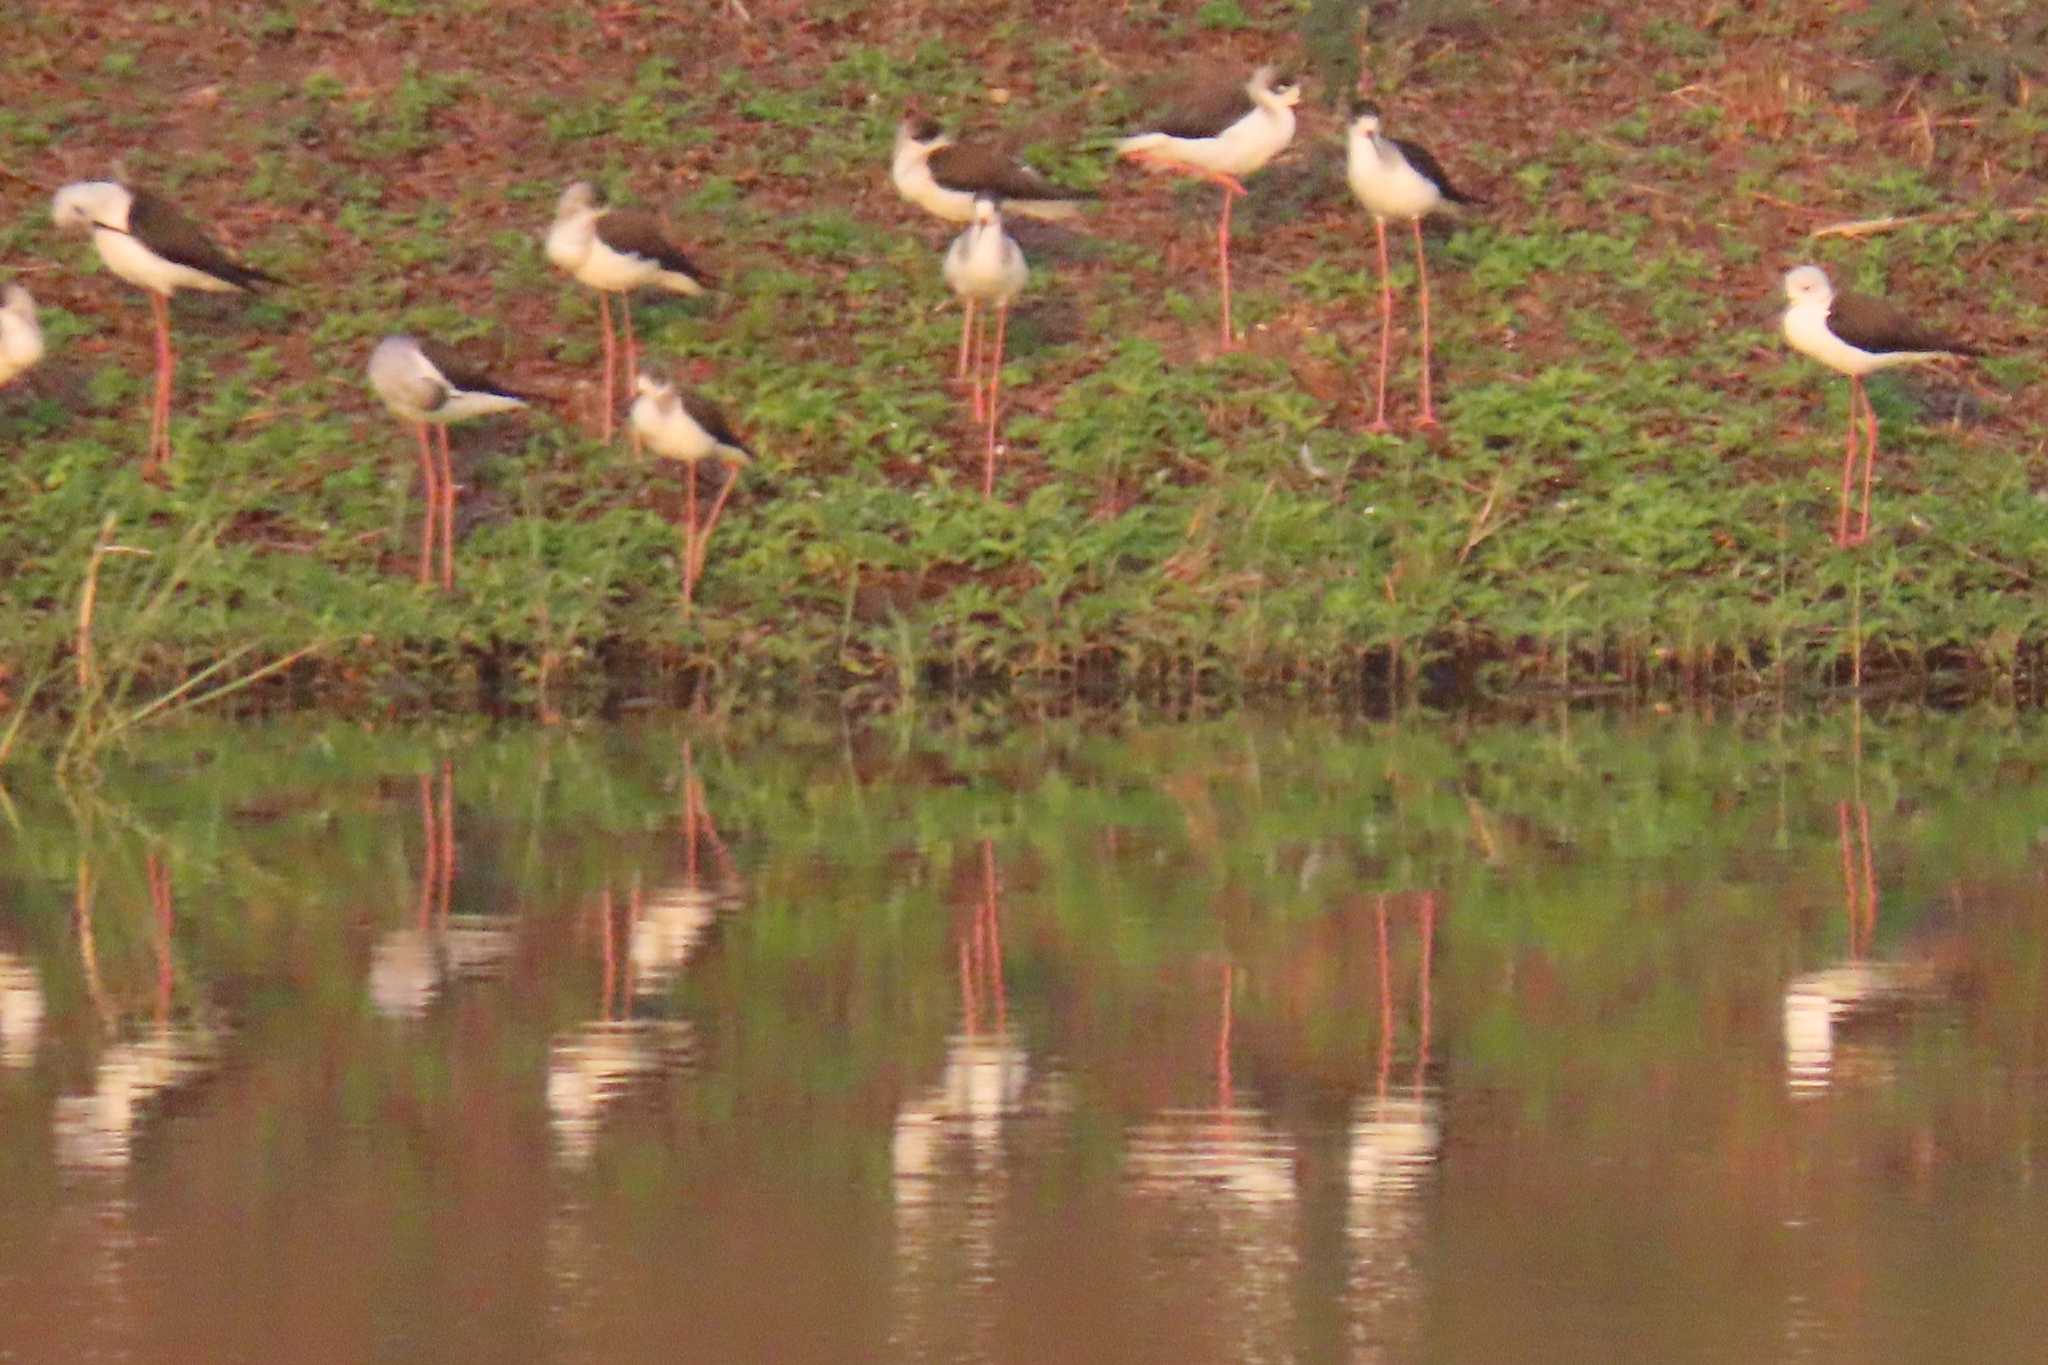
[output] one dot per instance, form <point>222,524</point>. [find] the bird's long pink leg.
<point>611,382</point>
<point>689,536</point>
<point>1379,412</point>
<point>995,384</point>
<point>965,372</point>
<point>1869,459</point>
<point>431,481</point>
<point>1231,189</point>
<point>160,413</point>
<point>732,476</point>
<point>632,345</point>
<point>447,514</point>
<point>977,388</point>
<point>1848,469</point>
<point>1428,418</point>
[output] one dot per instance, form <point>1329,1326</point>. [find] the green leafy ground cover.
<point>1632,489</point>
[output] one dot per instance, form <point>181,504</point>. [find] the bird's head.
<point>18,302</point>
<point>1365,118</point>
<point>578,198</point>
<point>84,204</point>
<point>647,386</point>
<point>1283,87</point>
<point>1808,284</point>
<point>987,211</point>
<point>921,131</point>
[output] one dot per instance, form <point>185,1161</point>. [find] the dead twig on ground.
<point>1871,227</point>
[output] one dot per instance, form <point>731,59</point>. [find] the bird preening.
<point>429,386</point>
<point>679,424</point>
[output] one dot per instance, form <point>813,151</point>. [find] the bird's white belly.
<point>568,244</point>
<point>1806,330</point>
<point>674,438</point>
<point>613,271</point>
<point>986,266</point>
<point>137,264</point>
<point>1397,191</point>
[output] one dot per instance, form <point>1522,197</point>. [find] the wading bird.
<point>616,251</point>
<point>147,242</point>
<point>1398,180</point>
<point>944,177</point>
<point>423,384</point>
<point>985,266</point>
<point>1854,334</point>
<point>1221,133</point>
<point>677,424</point>
<point>21,336</point>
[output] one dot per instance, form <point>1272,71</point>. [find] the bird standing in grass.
<point>21,336</point>
<point>616,251</point>
<point>1855,334</point>
<point>146,242</point>
<point>944,177</point>
<point>1220,133</point>
<point>677,424</point>
<point>424,384</point>
<point>985,266</point>
<point>1399,180</point>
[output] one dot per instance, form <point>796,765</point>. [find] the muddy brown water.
<point>1572,1039</point>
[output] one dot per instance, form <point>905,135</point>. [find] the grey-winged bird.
<point>145,241</point>
<point>1855,334</point>
<point>1220,132</point>
<point>680,425</point>
<point>1402,181</point>
<point>426,385</point>
<point>943,177</point>
<point>616,251</point>
<point>985,266</point>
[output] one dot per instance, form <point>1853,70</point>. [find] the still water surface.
<point>1566,1039</point>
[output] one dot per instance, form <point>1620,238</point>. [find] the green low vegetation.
<point>1632,491</point>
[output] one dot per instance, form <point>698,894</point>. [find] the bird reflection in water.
<point>96,1131</point>
<point>986,1072</point>
<point>411,963</point>
<point>670,923</point>
<point>22,1009</point>
<point>1395,1135</point>
<point>592,1066</point>
<point>1820,1004</point>
<point>948,1151</point>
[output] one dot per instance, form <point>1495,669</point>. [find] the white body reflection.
<point>672,924</point>
<point>1394,1145</point>
<point>1230,1152</point>
<point>983,1084</point>
<point>97,1131</point>
<point>410,965</point>
<point>22,1008</point>
<point>1818,1004</point>
<point>405,973</point>
<point>592,1066</point>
